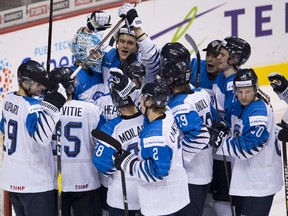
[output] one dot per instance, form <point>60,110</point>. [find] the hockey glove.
<point>280,85</point>
<point>217,136</point>
<point>221,125</point>
<point>283,133</point>
<point>127,11</point>
<point>56,97</point>
<point>120,82</point>
<point>98,21</point>
<point>124,161</point>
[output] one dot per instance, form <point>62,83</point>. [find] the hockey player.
<point>89,81</point>
<point>233,52</point>
<point>162,181</point>
<point>256,160</point>
<point>81,193</point>
<point>129,39</point>
<point>208,68</point>
<point>191,111</point>
<point>280,86</point>
<point>28,124</point>
<point>136,72</point>
<point>126,129</point>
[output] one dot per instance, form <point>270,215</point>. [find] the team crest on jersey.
<point>236,129</point>
<point>97,95</point>
<point>229,86</point>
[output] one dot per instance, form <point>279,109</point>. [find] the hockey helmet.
<point>239,50</point>
<point>176,73</point>
<point>245,78</point>
<point>62,75</point>
<point>32,70</point>
<point>125,30</point>
<point>158,93</point>
<point>174,51</point>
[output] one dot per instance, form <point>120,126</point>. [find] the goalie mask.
<point>239,50</point>
<point>83,44</point>
<point>62,75</point>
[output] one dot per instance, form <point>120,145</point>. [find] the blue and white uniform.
<point>28,161</point>
<point>89,87</point>
<point>204,81</point>
<point>223,91</point>
<point>126,130</point>
<point>108,110</point>
<point>256,157</point>
<point>78,119</point>
<point>148,56</point>
<point>192,113</point>
<point>162,180</point>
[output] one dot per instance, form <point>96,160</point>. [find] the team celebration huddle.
<point>135,129</point>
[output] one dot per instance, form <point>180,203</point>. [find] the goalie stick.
<point>100,135</point>
<point>191,41</point>
<point>116,27</point>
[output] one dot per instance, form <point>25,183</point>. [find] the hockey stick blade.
<point>191,41</point>
<point>98,134</point>
<point>196,50</point>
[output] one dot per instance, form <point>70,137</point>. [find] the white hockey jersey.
<point>28,161</point>
<point>78,119</point>
<point>126,130</point>
<point>192,114</point>
<point>162,184</point>
<point>256,156</point>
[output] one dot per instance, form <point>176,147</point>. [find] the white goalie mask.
<point>83,44</point>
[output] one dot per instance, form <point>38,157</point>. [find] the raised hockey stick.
<point>191,41</point>
<point>100,44</point>
<point>59,170</point>
<point>49,35</point>
<point>98,134</point>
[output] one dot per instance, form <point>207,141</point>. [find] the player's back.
<point>26,164</point>
<point>171,193</point>
<point>78,119</point>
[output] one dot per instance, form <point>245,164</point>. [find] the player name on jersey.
<point>200,105</point>
<point>10,107</point>
<point>130,134</point>
<point>173,132</point>
<point>72,111</point>
<point>109,110</point>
